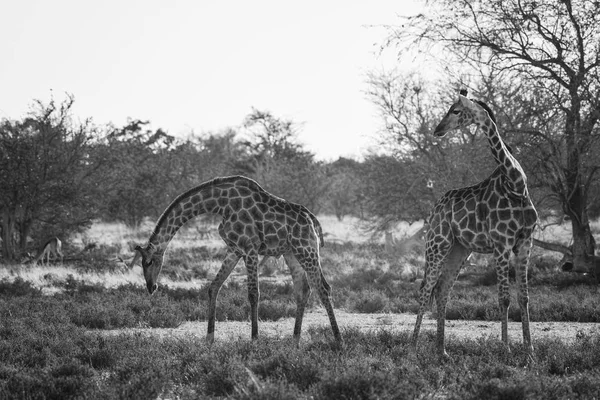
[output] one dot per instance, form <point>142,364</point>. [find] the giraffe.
<point>494,216</point>
<point>52,246</point>
<point>255,223</point>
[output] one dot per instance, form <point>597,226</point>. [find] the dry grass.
<point>194,258</point>
<point>52,346</point>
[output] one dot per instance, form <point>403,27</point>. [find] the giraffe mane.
<point>196,189</point>
<point>487,109</point>
<point>493,118</point>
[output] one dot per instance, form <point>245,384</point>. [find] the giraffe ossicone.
<point>255,223</point>
<point>495,216</point>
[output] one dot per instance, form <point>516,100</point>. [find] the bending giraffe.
<point>52,246</point>
<point>494,216</point>
<point>255,223</point>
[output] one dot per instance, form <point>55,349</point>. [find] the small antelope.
<point>204,232</point>
<point>406,246</point>
<point>52,246</point>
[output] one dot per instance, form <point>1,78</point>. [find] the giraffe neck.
<point>516,180</point>
<point>190,204</point>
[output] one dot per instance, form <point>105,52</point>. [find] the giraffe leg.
<point>435,258</point>
<point>521,266</point>
<point>451,269</point>
<point>301,292</point>
<point>502,264</point>
<point>213,291</point>
<point>312,266</point>
<point>251,261</point>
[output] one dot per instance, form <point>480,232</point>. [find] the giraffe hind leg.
<point>317,280</point>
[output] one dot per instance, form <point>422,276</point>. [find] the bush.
<point>273,310</point>
<point>18,287</point>
<point>368,301</point>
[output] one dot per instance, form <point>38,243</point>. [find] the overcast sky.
<point>202,65</point>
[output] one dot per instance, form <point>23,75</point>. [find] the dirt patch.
<point>231,330</point>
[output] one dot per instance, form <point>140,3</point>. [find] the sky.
<point>201,66</point>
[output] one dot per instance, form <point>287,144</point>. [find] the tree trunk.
<point>584,245</point>
<point>575,202</point>
<point>25,228</point>
<point>8,244</point>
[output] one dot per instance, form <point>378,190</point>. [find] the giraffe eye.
<point>455,112</point>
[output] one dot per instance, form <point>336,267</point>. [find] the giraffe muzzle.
<point>440,131</point>
<point>151,287</point>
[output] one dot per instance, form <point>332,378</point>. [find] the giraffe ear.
<point>151,249</point>
<point>138,253</point>
<point>463,100</point>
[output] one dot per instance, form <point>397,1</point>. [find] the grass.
<point>46,356</point>
<point>51,345</point>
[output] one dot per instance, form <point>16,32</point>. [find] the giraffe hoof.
<point>445,357</point>
<point>210,338</point>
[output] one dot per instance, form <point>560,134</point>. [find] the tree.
<point>344,188</point>
<point>418,167</point>
<point>279,163</point>
<point>554,47</point>
<point>146,170</point>
<point>395,190</point>
<point>47,183</point>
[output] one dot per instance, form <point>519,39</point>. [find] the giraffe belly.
<point>475,241</point>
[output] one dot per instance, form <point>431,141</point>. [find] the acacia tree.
<point>554,47</point>
<point>47,184</point>
<point>419,167</point>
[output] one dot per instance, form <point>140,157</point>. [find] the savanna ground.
<point>88,328</point>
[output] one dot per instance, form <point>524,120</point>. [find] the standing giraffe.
<point>494,216</point>
<point>255,223</point>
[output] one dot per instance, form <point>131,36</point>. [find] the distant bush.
<point>273,310</point>
<point>367,301</point>
<point>18,287</point>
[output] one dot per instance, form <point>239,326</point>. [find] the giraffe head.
<point>152,262</point>
<point>462,114</point>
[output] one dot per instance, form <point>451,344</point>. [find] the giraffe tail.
<point>316,223</point>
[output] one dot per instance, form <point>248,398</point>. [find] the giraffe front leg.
<point>213,291</point>
<point>434,261</point>
<point>424,297</point>
<point>522,265</point>
<point>251,261</point>
<point>450,271</point>
<point>502,264</point>
<point>301,291</point>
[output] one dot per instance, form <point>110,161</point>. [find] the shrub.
<point>18,287</point>
<point>368,301</point>
<point>273,310</point>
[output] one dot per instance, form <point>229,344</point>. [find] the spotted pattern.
<point>495,216</point>
<point>255,223</point>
